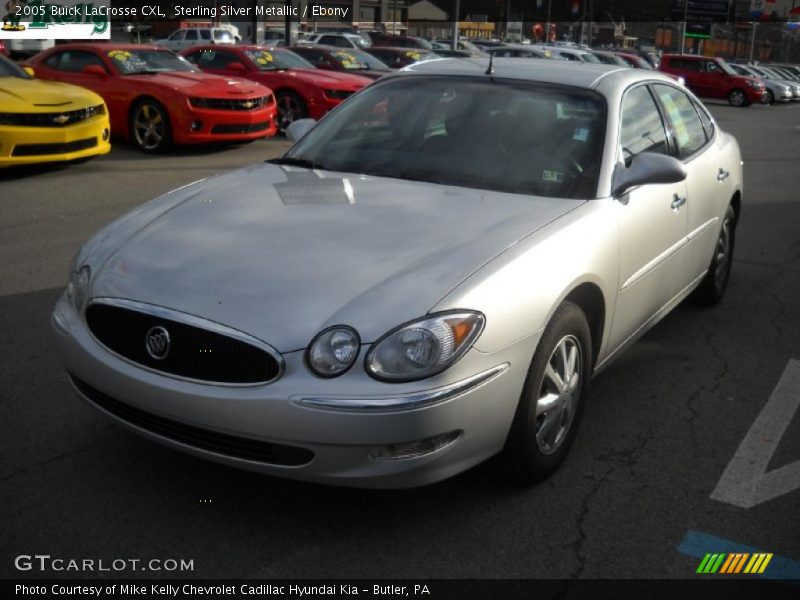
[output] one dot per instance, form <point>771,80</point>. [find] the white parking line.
<point>746,482</point>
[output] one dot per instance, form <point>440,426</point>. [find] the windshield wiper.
<point>298,162</point>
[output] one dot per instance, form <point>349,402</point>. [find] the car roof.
<point>108,46</point>
<point>583,75</point>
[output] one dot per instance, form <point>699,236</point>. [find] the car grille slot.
<point>45,149</point>
<point>50,119</point>
<point>232,104</point>
<point>243,128</point>
<point>197,437</point>
<point>194,352</point>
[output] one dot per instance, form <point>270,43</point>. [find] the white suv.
<point>192,36</point>
<point>341,40</point>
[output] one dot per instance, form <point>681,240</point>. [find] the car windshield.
<point>493,134</point>
<point>277,60</point>
<point>10,69</point>
<point>138,61</point>
<point>725,67</point>
<point>356,59</point>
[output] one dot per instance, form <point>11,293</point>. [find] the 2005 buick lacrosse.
<point>429,277</point>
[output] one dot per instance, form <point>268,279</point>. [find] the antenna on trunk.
<point>490,68</point>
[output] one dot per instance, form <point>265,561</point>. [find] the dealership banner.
<point>55,19</point>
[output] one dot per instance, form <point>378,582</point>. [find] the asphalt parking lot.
<point>633,499</point>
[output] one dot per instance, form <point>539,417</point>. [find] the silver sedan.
<point>431,276</point>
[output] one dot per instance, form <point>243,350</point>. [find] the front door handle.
<point>677,202</point>
<point>722,174</point>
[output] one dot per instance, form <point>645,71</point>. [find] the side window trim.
<point>708,141</point>
<point>664,122</point>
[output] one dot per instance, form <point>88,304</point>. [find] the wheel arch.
<point>589,298</point>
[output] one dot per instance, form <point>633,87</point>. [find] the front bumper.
<point>303,413</point>
<point>22,145</point>
<point>207,126</point>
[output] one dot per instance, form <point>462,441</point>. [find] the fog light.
<point>196,125</point>
<point>413,449</point>
<point>106,134</point>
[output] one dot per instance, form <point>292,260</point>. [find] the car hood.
<point>35,95</point>
<point>334,79</point>
<point>203,85</point>
<point>282,252</point>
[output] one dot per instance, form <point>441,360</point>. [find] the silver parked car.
<point>396,300</point>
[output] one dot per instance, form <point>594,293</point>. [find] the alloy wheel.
<point>149,127</point>
<point>723,253</point>
<point>289,111</point>
<point>559,394</point>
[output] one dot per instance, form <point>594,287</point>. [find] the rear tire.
<point>551,404</point>
<point>712,288</point>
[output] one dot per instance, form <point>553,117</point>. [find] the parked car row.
<point>233,93</point>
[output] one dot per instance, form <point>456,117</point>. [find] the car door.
<point>707,189</point>
<point>715,80</point>
<point>652,223</point>
<point>689,69</point>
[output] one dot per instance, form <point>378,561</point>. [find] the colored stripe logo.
<point>734,562</point>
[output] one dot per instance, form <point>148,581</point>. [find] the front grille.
<point>197,437</point>
<point>194,352</point>
<point>54,119</point>
<point>244,128</point>
<point>232,104</point>
<point>44,149</point>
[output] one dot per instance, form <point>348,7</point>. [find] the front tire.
<point>738,98</point>
<point>712,288</point>
<point>770,97</point>
<point>291,108</point>
<point>150,129</point>
<point>551,404</point>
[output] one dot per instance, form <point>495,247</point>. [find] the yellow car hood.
<point>34,95</point>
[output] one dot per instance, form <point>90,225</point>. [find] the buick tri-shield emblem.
<point>157,342</point>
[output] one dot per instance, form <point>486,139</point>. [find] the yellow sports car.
<point>43,121</point>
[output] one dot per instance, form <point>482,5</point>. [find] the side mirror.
<point>236,67</point>
<point>95,70</point>
<point>299,128</point>
<point>29,71</point>
<point>647,168</point>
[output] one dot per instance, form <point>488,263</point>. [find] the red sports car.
<point>300,89</point>
<point>156,98</point>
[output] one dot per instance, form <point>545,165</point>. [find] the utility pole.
<point>547,27</point>
<point>753,40</point>
<point>508,18</point>
<point>683,28</point>
<point>288,23</point>
<point>454,35</point>
<point>254,23</point>
<point>394,17</point>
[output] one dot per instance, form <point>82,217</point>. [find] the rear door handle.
<point>677,202</point>
<point>722,174</point>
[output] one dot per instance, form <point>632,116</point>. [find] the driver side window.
<point>642,128</point>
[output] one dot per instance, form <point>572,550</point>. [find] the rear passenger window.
<point>642,128</point>
<point>687,128</point>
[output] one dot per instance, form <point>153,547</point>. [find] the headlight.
<point>425,347</point>
<point>754,84</point>
<point>78,287</point>
<point>333,351</point>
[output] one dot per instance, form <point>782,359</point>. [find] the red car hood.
<point>200,84</point>
<point>330,79</point>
